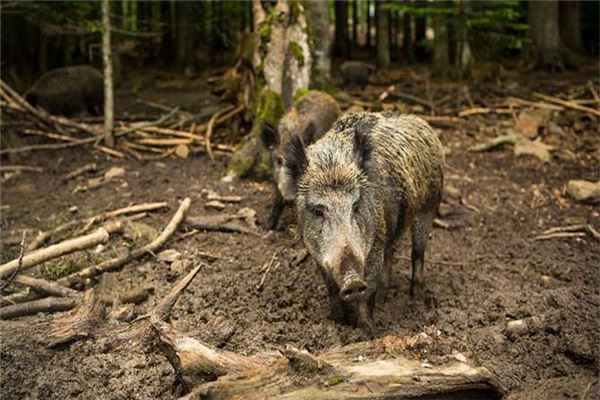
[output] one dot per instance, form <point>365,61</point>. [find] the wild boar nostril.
<point>353,289</point>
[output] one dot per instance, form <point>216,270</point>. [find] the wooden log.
<point>60,249</point>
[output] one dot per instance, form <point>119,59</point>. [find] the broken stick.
<point>49,304</point>
<point>60,249</point>
<point>117,262</point>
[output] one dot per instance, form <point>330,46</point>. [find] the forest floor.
<point>484,271</point>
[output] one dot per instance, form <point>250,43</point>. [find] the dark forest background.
<point>457,38</point>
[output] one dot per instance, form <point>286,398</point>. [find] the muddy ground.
<point>482,273</point>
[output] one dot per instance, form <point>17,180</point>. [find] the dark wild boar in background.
<point>308,119</point>
<point>356,73</point>
<point>357,190</point>
<point>68,91</point>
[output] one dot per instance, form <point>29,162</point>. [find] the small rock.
<point>217,205</point>
<point>73,209</point>
<point>546,280</point>
<point>584,191</point>
<point>535,148</point>
<point>523,326</point>
<point>160,164</point>
<point>169,255</point>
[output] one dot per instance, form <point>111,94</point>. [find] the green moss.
<point>296,51</point>
<point>300,93</point>
<point>334,380</point>
<point>269,108</point>
<point>59,268</point>
<point>295,10</point>
<point>265,30</point>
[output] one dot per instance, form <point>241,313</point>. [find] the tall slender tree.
<point>108,75</point>
<point>383,34</point>
<point>341,47</point>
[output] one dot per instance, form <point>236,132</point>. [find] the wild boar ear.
<point>309,132</point>
<point>294,162</point>
<point>270,136</point>
<point>363,149</point>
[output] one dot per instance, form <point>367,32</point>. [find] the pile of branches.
<point>143,140</point>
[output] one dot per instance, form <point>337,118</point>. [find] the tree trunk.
<point>543,27</point>
<point>407,42</point>
<point>354,24</point>
<point>440,67</point>
<point>369,27</point>
<point>283,63</point>
<point>108,76</point>
<point>185,32</point>
<point>383,35</point>
<point>420,30</point>
<point>570,25</point>
<point>341,28</point>
<point>464,55</point>
<point>318,19</point>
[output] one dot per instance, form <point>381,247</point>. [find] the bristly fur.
<point>295,161</point>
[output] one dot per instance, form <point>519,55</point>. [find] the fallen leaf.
<point>535,148</point>
<point>529,121</point>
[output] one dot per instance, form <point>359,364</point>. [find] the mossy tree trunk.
<point>383,34</point>
<point>282,63</point>
<point>441,59</point>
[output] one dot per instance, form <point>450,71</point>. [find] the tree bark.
<point>185,32</point>
<point>543,27</point>
<point>383,34</point>
<point>369,25</point>
<point>570,25</point>
<point>420,30</point>
<point>441,61</point>
<point>318,19</point>
<point>282,62</point>
<point>108,76</point>
<point>341,28</point>
<point>354,24</point>
<point>407,41</point>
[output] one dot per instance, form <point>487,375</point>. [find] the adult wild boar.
<point>356,73</point>
<point>69,90</point>
<point>357,190</point>
<point>308,119</point>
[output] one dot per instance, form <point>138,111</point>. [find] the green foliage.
<point>300,93</point>
<point>494,28</point>
<point>59,268</point>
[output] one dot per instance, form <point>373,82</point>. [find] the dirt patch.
<point>480,275</point>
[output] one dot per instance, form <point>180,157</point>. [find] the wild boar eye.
<point>355,207</point>
<point>318,211</point>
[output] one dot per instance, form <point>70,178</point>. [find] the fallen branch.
<point>60,249</point>
<point>210,128</point>
<point>49,304</point>
<point>117,262</point>
<point>44,236</point>
<point>492,144</point>
<point>44,287</point>
<point>14,168</point>
<point>80,171</point>
<point>266,271</point>
<point>221,222</point>
<point>579,230</point>
<point>568,104</point>
<point>512,101</point>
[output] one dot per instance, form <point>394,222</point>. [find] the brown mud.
<point>481,274</point>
